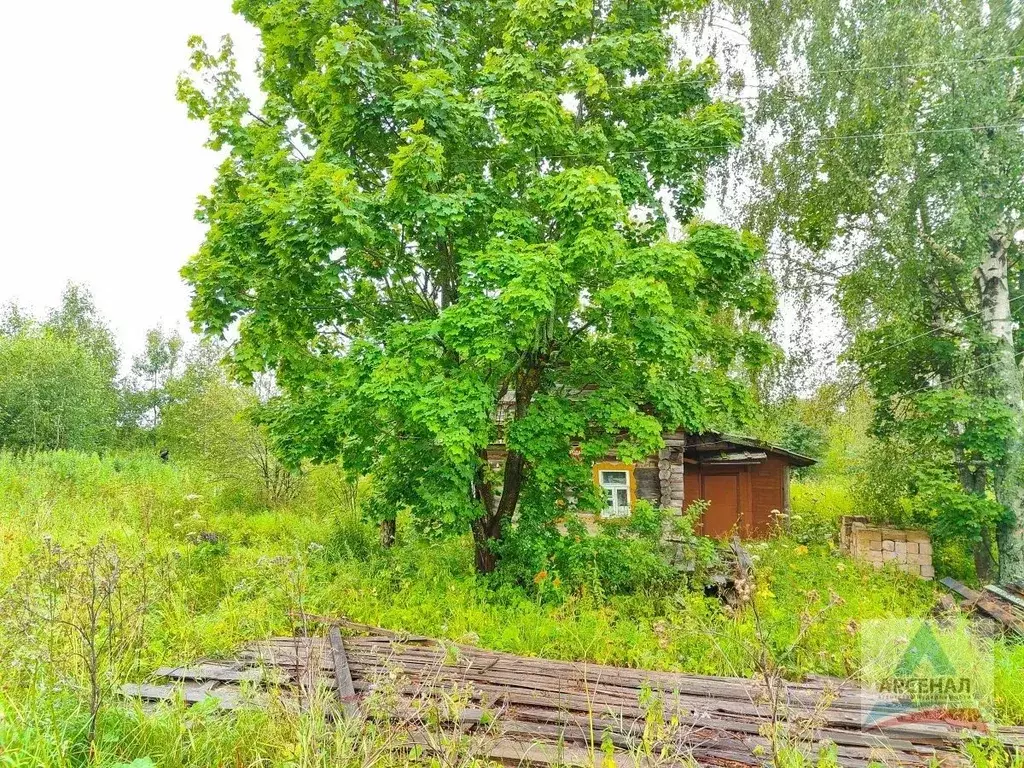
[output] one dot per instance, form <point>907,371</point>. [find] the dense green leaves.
<point>57,378</point>
<point>53,395</point>
<point>449,226</point>
<point>890,172</point>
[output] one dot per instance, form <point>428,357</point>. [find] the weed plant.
<point>222,571</point>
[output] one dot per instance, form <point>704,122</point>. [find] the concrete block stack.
<point>909,550</point>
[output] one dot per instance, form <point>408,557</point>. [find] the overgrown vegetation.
<point>887,173</point>
<point>469,258</point>
<point>220,570</point>
<point>445,227</point>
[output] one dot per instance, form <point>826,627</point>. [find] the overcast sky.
<point>101,167</point>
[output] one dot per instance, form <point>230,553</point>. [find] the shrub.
<point>696,554</point>
<point>208,421</point>
<point>613,557</point>
<point>817,505</point>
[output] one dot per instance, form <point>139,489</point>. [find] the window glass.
<point>615,477</point>
<point>615,486</point>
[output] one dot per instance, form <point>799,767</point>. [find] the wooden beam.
<point>1007,596</point>
<point>343,675</point>
<point>987,604</point>
<point>220,672</point>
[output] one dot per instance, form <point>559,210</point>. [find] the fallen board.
<point>523,710</point>
<point>990,603</point>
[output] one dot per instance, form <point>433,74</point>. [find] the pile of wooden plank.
<point>521,710</point>
<point>1004,605</point>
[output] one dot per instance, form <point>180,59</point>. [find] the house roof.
<point>705,441</point>
<point>708,442</point>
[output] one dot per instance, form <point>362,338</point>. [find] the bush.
<point>817,506</point>
<point>612,557</point>
<point>351,539</point>
<point>207,420</point>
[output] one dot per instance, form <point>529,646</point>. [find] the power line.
<point>929,332</point>
<point>648,84</point>
<point>911,65</point>
<point>813,139</point>
<point>958,377</point>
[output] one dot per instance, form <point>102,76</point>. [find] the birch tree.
<point>891,145</point>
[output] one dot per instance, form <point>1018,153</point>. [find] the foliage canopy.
<point>443,212</point>
<point>897,185</point>
<point>57,378</point>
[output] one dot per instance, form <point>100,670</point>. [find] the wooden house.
<point>744,482</point>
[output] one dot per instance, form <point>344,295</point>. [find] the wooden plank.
<point>681,739</point>
<point>582,680</point>
<point>226,698</point>
<point>522,753</point>
<point>702,749</point>
<point>987,605</point>
<point>961,589</point>
<point>531,711</point>
<point>564,670</point>
<point>1016,588</point>
<point>343,675</point>
<point>1004,595</point>
<point>399,652</point>
<point>221,673</point>
<point>375,631</point>
<point>848,734</point>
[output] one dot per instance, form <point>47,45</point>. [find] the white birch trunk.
<point>994,287</point>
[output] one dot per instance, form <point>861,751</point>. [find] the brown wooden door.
<point>723,514</point>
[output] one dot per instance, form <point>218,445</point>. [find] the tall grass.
<point>226,571</point>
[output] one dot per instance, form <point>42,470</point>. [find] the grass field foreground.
<point>209,572</point>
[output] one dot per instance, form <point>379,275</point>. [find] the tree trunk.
<point>975,483</point>
<point>1008,477</point>
<point>387,532</point>
<point>983,563</point>
<point>487,529</point>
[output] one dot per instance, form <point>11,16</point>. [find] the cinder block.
<point>862,531</point>
<point>910,550</point>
